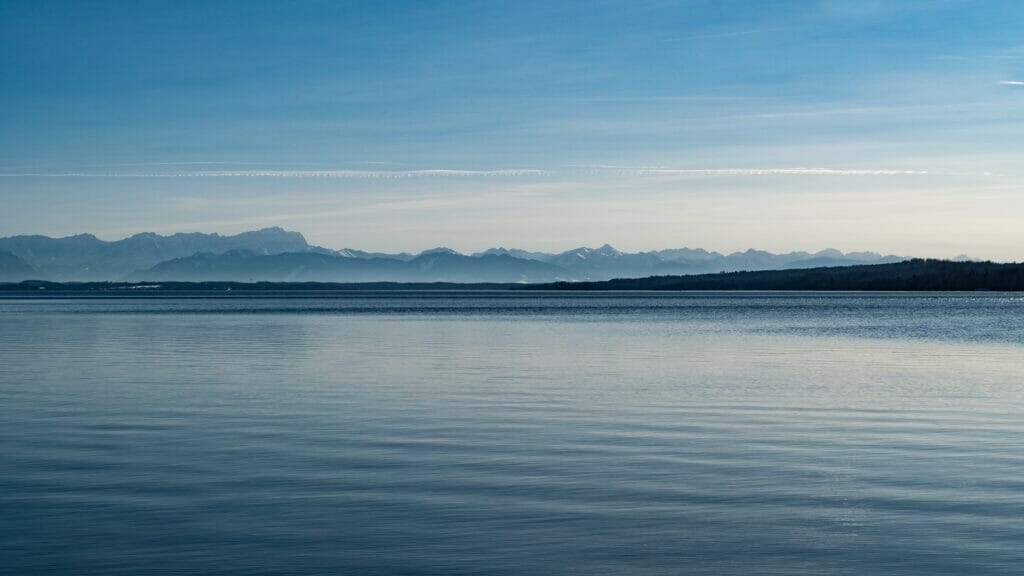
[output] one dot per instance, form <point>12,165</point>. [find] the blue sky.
<point>892,126</point>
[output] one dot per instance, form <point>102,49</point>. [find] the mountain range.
<point>274,254</point>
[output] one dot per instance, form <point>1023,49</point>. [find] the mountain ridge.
<point>281,255</point>
<point>305,267</point>
<point>13,268</point>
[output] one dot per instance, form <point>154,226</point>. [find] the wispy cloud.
<point>365,174</point>
<point>726,34</point>
<point>178,163</point>
<point>710,98</point>
<point>765,172</point>
<point>1012,83</point>
<point>504,173</point>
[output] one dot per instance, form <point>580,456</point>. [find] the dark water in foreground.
<point>513,433</point>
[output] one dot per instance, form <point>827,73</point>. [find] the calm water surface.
<point>510,433</point>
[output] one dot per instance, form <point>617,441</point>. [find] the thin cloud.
<point>432,172</point>
<point>713,35</point>
<point>364,174</point>
<point>668,98</point>
<point>505,173</point>
<point>765,172</point>
<point>181,163</point>
<point>1012,83</point>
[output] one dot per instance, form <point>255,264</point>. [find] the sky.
<point>891,126</point>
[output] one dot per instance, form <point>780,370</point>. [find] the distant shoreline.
<point>143,288</point>
<point>909,276</point>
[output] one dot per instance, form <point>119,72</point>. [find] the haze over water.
<point>440,433</point>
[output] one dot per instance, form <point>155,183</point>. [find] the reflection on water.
<point>513,433</point>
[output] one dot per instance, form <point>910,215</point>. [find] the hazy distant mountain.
<point>13,268</point>
<point>274,253</point>
<point>454,267</point>
<point>607,262</point>
<point>827,262</point>
<point>440,250</point>
<point>433,266</point>
<point>85,257</point>
<point>517,253</point>
<point>247,266</point>
<point>353,253</point>
<point>965,258</point>
<point>687,255</point>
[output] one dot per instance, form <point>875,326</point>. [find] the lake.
<point>512,433</point>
